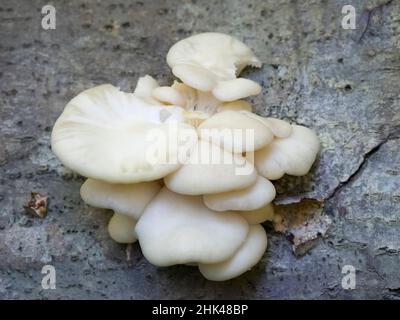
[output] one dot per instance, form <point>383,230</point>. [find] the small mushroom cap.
<point>195,76</point>
<point>293,155</point>
<point>235,131</point>
<point>188,98</point>
<point>121,228</point>
<point>235,89</point>
<point>254,197</point>
<point>178,229</point>
<point>260,215</point>
<point>144,89</point>
<point>211,169</point>
<point>128,199</point>
<point>202,60</point>
<point>105,134</point>
<point>169,95</point>
<point>279,128</point>
<point>192,100</point>
<point>248,255</point>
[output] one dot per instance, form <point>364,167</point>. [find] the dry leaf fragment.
<point>37,204</point>
<point>303,223</point>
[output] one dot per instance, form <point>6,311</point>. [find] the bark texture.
<point>342,83</point>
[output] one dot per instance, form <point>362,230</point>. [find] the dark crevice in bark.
<point>369,13</point>
<point>360,168</point>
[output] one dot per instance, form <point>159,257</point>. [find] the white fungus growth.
<point>211,61</point>
<point>243,260</point>
<point>127,199</point>
<point>293,155</point>
<point>121,228</point>
<point>178,229</point>
<point>254,197</point>
<point>231,130</point>
<point>185,167</point>
<point>103,133</point>
<point>211,169</point>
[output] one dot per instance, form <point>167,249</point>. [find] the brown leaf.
<point>303,223</point>
<point>37,205</point>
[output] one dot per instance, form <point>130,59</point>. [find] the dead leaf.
<point>303,223</point>
<point>37,205</point>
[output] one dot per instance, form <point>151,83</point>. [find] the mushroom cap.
<point>235,131</point>
<point>104,134</point>
<point>203,60</point>
<point>293,155</point>
<point>260,215</point>
<point>248,255</point>
<point>188,98</point>
<point>127,199</point>
<point>121,228</point>
<point>231,90</point>
<point>193,100</point>
<point>279,128</point>
<point>144,89</point>
<point>254,197</point>
<point>211,169</point>
<point>169,95</point>
<point>178,229</point>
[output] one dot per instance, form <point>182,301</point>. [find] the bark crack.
<point>360,168</point>
<point>369,13</point>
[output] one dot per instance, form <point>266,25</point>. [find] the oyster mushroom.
<point>243,260</point>
<point>127,199</point>
<point>293,155</point>
<point>121,228</point>
<point>254,197</point>
<point>235,131</point>
<point>211,61</point>
<point>193,100</point>
<point>211,169</point>
<point>179,229</point>
<point>105,134</point>
<point>280,128</point>
<point>144,89</point>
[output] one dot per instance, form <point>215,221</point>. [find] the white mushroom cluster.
<point>186,168</point>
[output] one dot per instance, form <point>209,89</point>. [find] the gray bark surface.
<point>344,84</point>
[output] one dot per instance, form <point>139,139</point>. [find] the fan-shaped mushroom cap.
<point>235,131</point>
<point>293,155</point>
<point>235,89</point>
<point>243,260</point>
<point>254,197</point>
<point>260,215</point>
<point>128,199</point>
<point>178,229</point>
<point>279,128</point>
<point>106,134</point>
<point>121,228</point>
<point>211,169</point>
<point>205,61</point>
